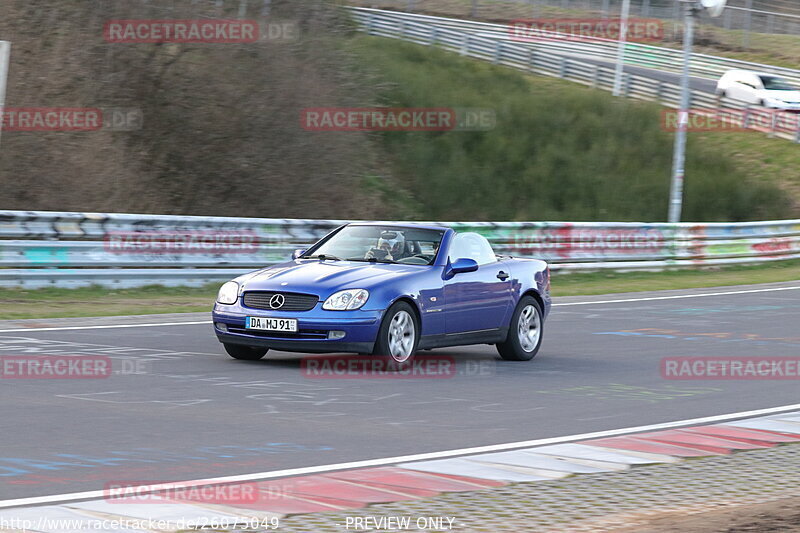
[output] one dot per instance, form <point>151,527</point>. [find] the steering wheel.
<point>416,259</point>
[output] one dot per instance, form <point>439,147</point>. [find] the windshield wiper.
<point>370,260</point>
<point>323,257</point>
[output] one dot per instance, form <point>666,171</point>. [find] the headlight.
<point>346,300</point>
<point>228,293</point>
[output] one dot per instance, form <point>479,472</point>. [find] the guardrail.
<point>758,18</point>
<point>637,54</point>
<point>525,56</point>
<point>62,249</point>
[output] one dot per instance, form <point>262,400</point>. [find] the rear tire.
<point>398,336</point>
<point>525,332</point>
<point>245,353</point>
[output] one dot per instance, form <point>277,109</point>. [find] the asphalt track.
<point>179,408</point>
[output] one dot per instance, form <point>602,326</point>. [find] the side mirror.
<point>463,264</point>
<point>297,253</point>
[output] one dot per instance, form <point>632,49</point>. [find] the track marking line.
<point>625,300</point>
<point>60,498</point>
<point>677,296</point>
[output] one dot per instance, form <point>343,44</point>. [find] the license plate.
<point>271,324</point>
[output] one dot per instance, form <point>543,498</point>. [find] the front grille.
<point>292,301</point>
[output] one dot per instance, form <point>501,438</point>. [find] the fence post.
<point>676,12</point>
<point>534,8</point>
<point>773,123</point>
<point>596,77</point>
<point>562,67</point>
<point>5,58</point>
<point>747,24</point>
<point>434,34</point>
<point>532,62</point>
<point>498,52</point>
<point>465,45</point>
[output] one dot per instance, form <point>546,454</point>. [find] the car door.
<point>741,89</point>
<point>751,89</point>
<point>479,300</point>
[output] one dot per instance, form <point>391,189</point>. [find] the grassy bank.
<point>97,301</point>
<point>559,151</point>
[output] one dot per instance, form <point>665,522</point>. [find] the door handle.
<point>502,276</point>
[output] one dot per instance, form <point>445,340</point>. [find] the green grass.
<point>575,284</point>
<point>559,151</point>
<point>98,301</point>
<point>768,160</point>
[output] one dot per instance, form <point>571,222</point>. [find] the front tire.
<point>245,353</point>
<point>524,332</point>
<point>398,335</point>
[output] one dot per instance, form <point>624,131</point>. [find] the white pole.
<point>623,37</point>
<point>5,55</point>
<point>679,153</point>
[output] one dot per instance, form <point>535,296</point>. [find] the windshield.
<point>774,83</point>
<point>381,244</point>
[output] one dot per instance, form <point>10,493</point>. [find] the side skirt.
<point>486,336</point>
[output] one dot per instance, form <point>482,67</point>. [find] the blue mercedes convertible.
<point>387,289</point>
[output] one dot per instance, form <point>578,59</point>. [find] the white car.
<point>758,88</point>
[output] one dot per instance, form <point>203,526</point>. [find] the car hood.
<point>786,96</point>
<point>324,277</point>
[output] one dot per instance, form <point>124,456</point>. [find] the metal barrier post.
<point>5,55</point>
<point>679,153</point>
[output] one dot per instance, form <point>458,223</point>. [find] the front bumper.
<point>786,106</point>
<point>360,329</point>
